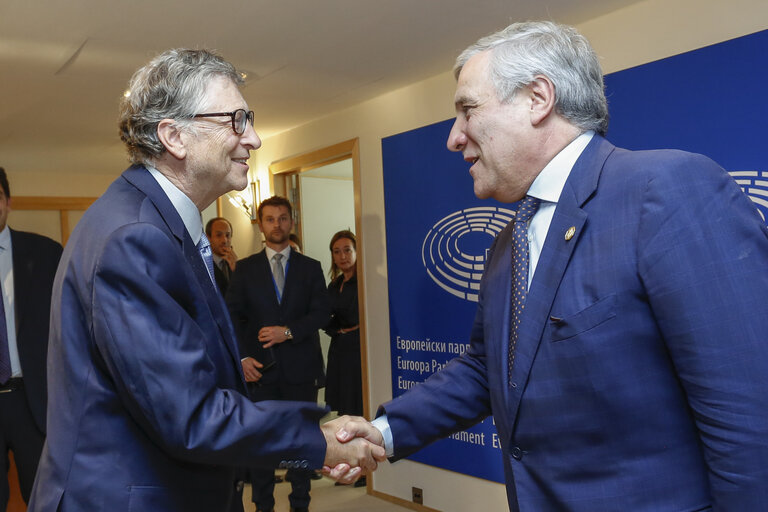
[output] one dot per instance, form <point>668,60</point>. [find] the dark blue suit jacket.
<point>305,308</point>
<point>35,259</point>
<point>147,407</point>
<point>641,373</point>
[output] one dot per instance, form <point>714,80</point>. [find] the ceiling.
<point>64,64</point>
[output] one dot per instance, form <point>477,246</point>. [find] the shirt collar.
<point>549,184</point>
<point>271,252</point>
<point>5,238</point>
<point>187,210</point>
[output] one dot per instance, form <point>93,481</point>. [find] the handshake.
<point>354,447</point>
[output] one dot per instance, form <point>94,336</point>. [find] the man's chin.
<point>481,193</point>
<point>277,239</point>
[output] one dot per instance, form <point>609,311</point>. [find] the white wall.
<point>327,206</point>
<point>644,32</point>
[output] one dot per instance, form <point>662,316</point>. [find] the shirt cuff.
<point>382,425</point>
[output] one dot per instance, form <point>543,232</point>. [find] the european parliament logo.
<point>755,185</point>
<point>456,247</point>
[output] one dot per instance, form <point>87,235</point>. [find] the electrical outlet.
<point>417,495</point>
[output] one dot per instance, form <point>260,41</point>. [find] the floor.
<point>327,497</point>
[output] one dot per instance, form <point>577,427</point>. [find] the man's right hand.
<point>356,448</point>
<point>230,256</point>
<point>251,369</point>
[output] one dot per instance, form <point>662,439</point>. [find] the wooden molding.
<point>51,203</point>
<point>313,159</point>
<point>400,501</point>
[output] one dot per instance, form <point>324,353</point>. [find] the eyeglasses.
<point>239,118</point>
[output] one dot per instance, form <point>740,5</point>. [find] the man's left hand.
<point>272,335</point>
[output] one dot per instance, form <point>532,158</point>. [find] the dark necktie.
<point>520,263</point>
<point>224,266</point>
<point>5,355</point>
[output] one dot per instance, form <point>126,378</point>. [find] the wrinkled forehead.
<point>221,93</point>
<point>474,80</point>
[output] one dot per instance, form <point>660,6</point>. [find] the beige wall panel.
<point>44,222</point>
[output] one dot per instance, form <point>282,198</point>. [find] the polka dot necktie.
<point>525,211</point>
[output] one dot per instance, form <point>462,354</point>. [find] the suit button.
<point>282,464</point>
<point>239,486</point>
<point>304,464</point>
<point>514,385</point>
<point>517,453</point>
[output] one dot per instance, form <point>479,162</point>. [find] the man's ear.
<point>542,92</point>
<point>170,136</point>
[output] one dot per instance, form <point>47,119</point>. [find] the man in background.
<point>148,408</point>
<point>278,302</point>
<point>28,264</point>
<point>620,337</point>
<point>219,233</point>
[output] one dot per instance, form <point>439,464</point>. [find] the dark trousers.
<point>263,480</point>
<point>18,433</point>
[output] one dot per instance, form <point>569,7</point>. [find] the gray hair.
<point>171,86</point>
<point>522,51</point>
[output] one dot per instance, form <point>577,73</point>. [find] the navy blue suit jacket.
<point>305,308</point>
<point>147,407</point>
<point>641,373</point>
<point>35,258</point>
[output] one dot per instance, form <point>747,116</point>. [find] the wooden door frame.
<point>325,156</point>
<point>50,203</point>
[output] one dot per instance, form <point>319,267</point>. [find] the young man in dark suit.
<point>28,264</point>
<point>278,302</point>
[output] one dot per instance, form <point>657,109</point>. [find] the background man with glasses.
<point>147,406</point>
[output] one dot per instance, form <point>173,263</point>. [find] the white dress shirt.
<point>186,209</point>
<point>6,277</point>
<point>284,261</point>
<point>547,187</point>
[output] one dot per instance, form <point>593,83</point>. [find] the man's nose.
<point>250,138</point>
<point>457,139</point>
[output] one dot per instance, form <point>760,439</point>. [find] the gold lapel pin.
<point>569,234</point>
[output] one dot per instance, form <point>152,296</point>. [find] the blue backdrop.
<point>710,101</point>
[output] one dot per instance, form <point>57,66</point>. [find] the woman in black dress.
<point>344,387</point>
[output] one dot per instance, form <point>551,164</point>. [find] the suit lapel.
<point>265,269</point>
<point>571,219</point>
<point>143,180</point>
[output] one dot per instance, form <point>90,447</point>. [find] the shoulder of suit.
<point>297,256</point>
<point>41,242</point>
<point>253,258</point>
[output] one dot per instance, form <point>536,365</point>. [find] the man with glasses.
<point>147,406</point>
